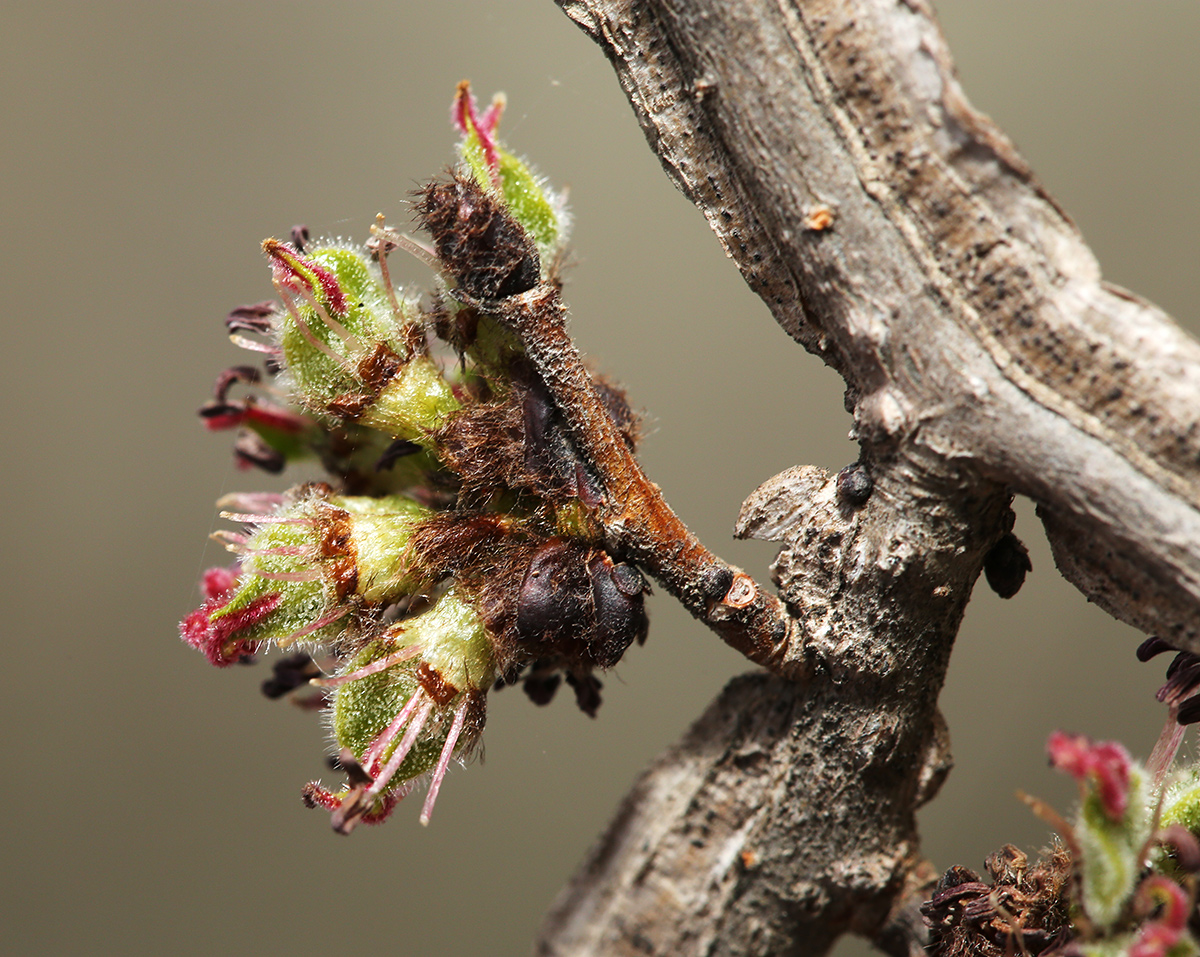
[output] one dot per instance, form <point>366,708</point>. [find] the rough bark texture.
<point>894,232</point>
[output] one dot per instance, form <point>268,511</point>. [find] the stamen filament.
<point>1166,747</point>
<point>387,735</point>
<point>248,519</point>
<point>309,575</point>
<point>373,668</point>
<point>255,346</point>
<point>290,550</point>
<point>417,249</point>
<point>315,626</point>
<point>314,341</point>
<point>439,772</point>
<point>233,541</point>
<point>401,752</point>
<point>251,501</point>
<point>349,338</point>
<point>386,238</point>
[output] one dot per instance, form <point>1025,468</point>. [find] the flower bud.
<point>530,202</point>
<point>1181,800</point>
<point>410,701</point>
<point>347,344</point>
<point>1114,820</point>
<point>305,568</point>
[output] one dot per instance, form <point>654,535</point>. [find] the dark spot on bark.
<point>854,484</point>
<point>714,582</point>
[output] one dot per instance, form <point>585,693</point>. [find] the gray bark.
<point>896,233</point>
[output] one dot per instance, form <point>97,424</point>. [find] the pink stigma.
<point>290,267</point>
<point>1105,763</point>
<point>465,115</point>
<point>219,640</point>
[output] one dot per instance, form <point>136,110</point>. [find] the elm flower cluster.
<point>450,545</point>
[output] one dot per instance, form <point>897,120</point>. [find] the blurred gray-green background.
<point>150,802</point>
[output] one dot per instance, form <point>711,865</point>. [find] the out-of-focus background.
<point>150,802</point>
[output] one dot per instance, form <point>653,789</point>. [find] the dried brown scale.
<point>488,253</point>
<point>378,367</point>
<point>436,686</point>
<point>339,551</point>
<point>457,328</point>
<point>485,445</point>
<point>457,542</point>
<point>520,442</point>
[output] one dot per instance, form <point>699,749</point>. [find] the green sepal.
<point>381,529</point>
<point>1181,802</point>
<point>1112,850</point>
<point>415,402</point>
<point>303,602</point>
<point>454,643</point>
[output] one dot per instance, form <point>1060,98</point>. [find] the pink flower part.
<point>465,115</point>
<point>1105,763</point>
<point>218,582</point>
<point>290,268</point>
<point>218,640</point>
<point>275,417</point>
<point>490,121</point>
<point>1159,936</point>
<point>439,772</point>
<point>251,501</point>
<point>317,796</point>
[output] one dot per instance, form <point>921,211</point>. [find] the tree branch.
<point>894,232</point>
<point>634,514</point>
<point>960,304</point>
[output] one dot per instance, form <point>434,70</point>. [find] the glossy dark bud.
<point>619,609</point>
<point>488,253</point>
<point>551,602</point>
<point>578,607</point>
<point>1006,565</point>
